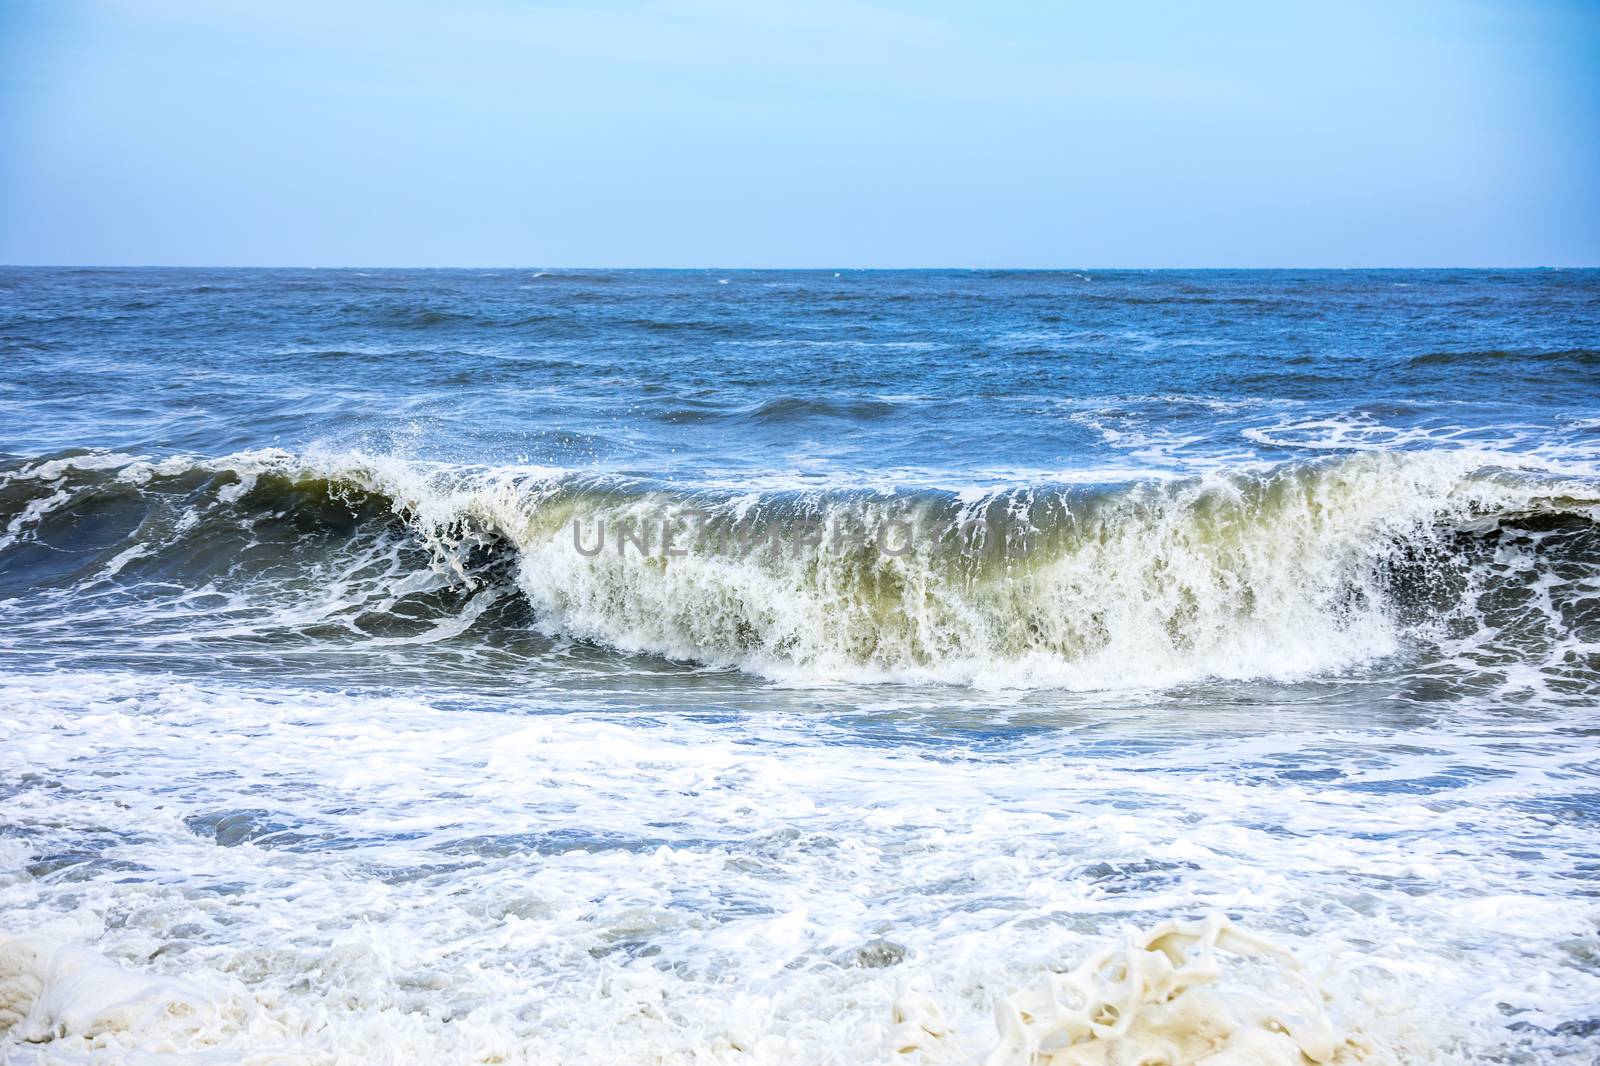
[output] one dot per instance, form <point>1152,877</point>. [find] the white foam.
<point>1160,997</point>
<point>355,877</point>
<point>79,1001</point>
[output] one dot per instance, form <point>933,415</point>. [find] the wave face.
<point>1278,572</point>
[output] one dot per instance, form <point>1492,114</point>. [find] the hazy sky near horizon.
<point>829,134</point>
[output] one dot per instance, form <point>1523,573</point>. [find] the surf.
<point>1279,571</point>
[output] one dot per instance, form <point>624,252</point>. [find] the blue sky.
<point>829,134</point>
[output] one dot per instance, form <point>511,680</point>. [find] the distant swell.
<point>1582,357</point>
<point>1285,572</point>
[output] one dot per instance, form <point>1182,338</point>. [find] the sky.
<point>762,133</point>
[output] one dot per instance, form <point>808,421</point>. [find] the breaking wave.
<point>1267,572</point>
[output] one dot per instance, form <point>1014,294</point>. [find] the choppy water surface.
<point>357,703</point>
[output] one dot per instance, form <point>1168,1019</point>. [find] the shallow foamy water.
<point>366,876</point>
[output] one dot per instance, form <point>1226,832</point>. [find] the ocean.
<point>559,666</point>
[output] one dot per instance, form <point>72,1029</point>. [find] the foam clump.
<point>50,991</point>
<point>1155,1000</point>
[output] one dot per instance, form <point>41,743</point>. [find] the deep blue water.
<point>675,372</point>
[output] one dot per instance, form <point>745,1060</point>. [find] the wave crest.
<point>1277,572</point>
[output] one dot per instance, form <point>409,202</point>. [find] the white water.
<point>349,877</point>
<point>1271,572</point>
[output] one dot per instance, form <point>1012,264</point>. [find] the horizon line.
<point>793,269</point>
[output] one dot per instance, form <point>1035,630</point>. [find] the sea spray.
<point>1275,572</point>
